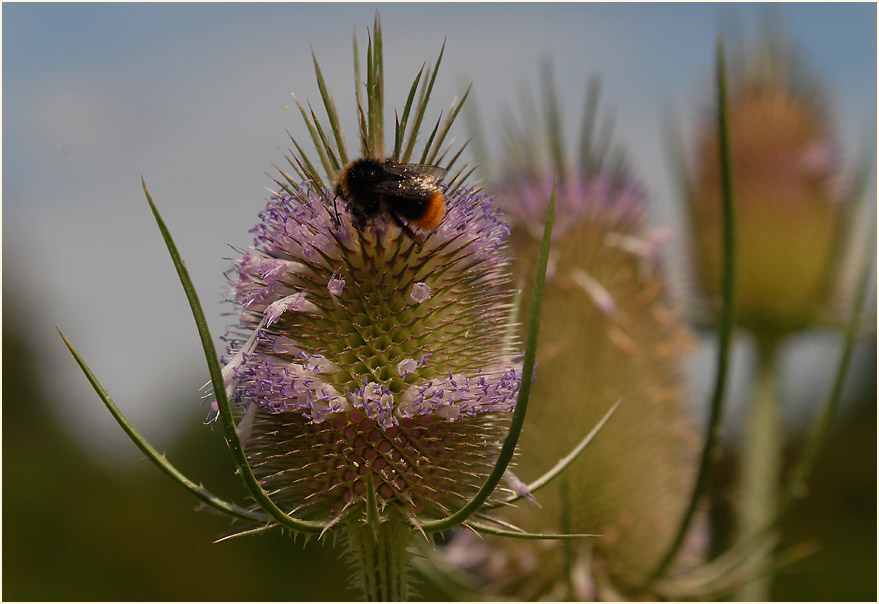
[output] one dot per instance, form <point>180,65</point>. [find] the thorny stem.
<point>726,323</point>
<point>761,460</point>
<point>381,562</point>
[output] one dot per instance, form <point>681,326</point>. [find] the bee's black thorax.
<point>354,187</point>
<point>365,172</point>
<point>404,192</point>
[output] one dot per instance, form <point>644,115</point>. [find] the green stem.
<point>381,559</point>
<point>761,461</point>
<point>726,322</point>
<point>568,545</point>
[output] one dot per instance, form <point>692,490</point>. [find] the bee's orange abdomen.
<point>433,214</point>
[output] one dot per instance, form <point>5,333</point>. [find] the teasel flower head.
<point>792,197</point>
<point>360,351</point>
<point>608,334</point>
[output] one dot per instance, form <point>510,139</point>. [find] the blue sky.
<point>193,97</point>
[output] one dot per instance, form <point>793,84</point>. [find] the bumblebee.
<point>408,193</point>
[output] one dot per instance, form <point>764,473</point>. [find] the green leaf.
<point>328,148</point>
<point>726,324</point>
<point>454,110</point>
<point>358,96</point>
<point>371,108</point>
<point>473,125</point>
<point>430,140</point>
<point>289,187</point>
<point>226,417</point>
<point>460,177</point>
<point>153,455</point>
<point>487,530</point>
<point>567,460</point>
<point>590,112</point>
<point>373,517</point>
<point>554,125</point>
<point>316,139</point>
<point>309,171</point>
<point>379,91</point>
<point>401,126</point>
<point>799,475</point>
<point>295,164</point>
<point>420,108</point>
<point>332,112</point>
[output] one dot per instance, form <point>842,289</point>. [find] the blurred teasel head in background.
<point>608,334</point>
<point>794,196</point>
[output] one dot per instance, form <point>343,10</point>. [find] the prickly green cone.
<point>608,334</point>
<point>374,356</point>
<point>790,196</point>
<point>378,390</point>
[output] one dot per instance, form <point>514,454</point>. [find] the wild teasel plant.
<point>769,147</point>
<point>609,333</point>
<point>375,374</point>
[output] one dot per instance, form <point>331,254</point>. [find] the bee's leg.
<point>358,217</point>
<point>405,227</point>
<point>336,212</point>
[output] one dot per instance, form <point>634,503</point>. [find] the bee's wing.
<point>415,171</point>
<point>411,188</point>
